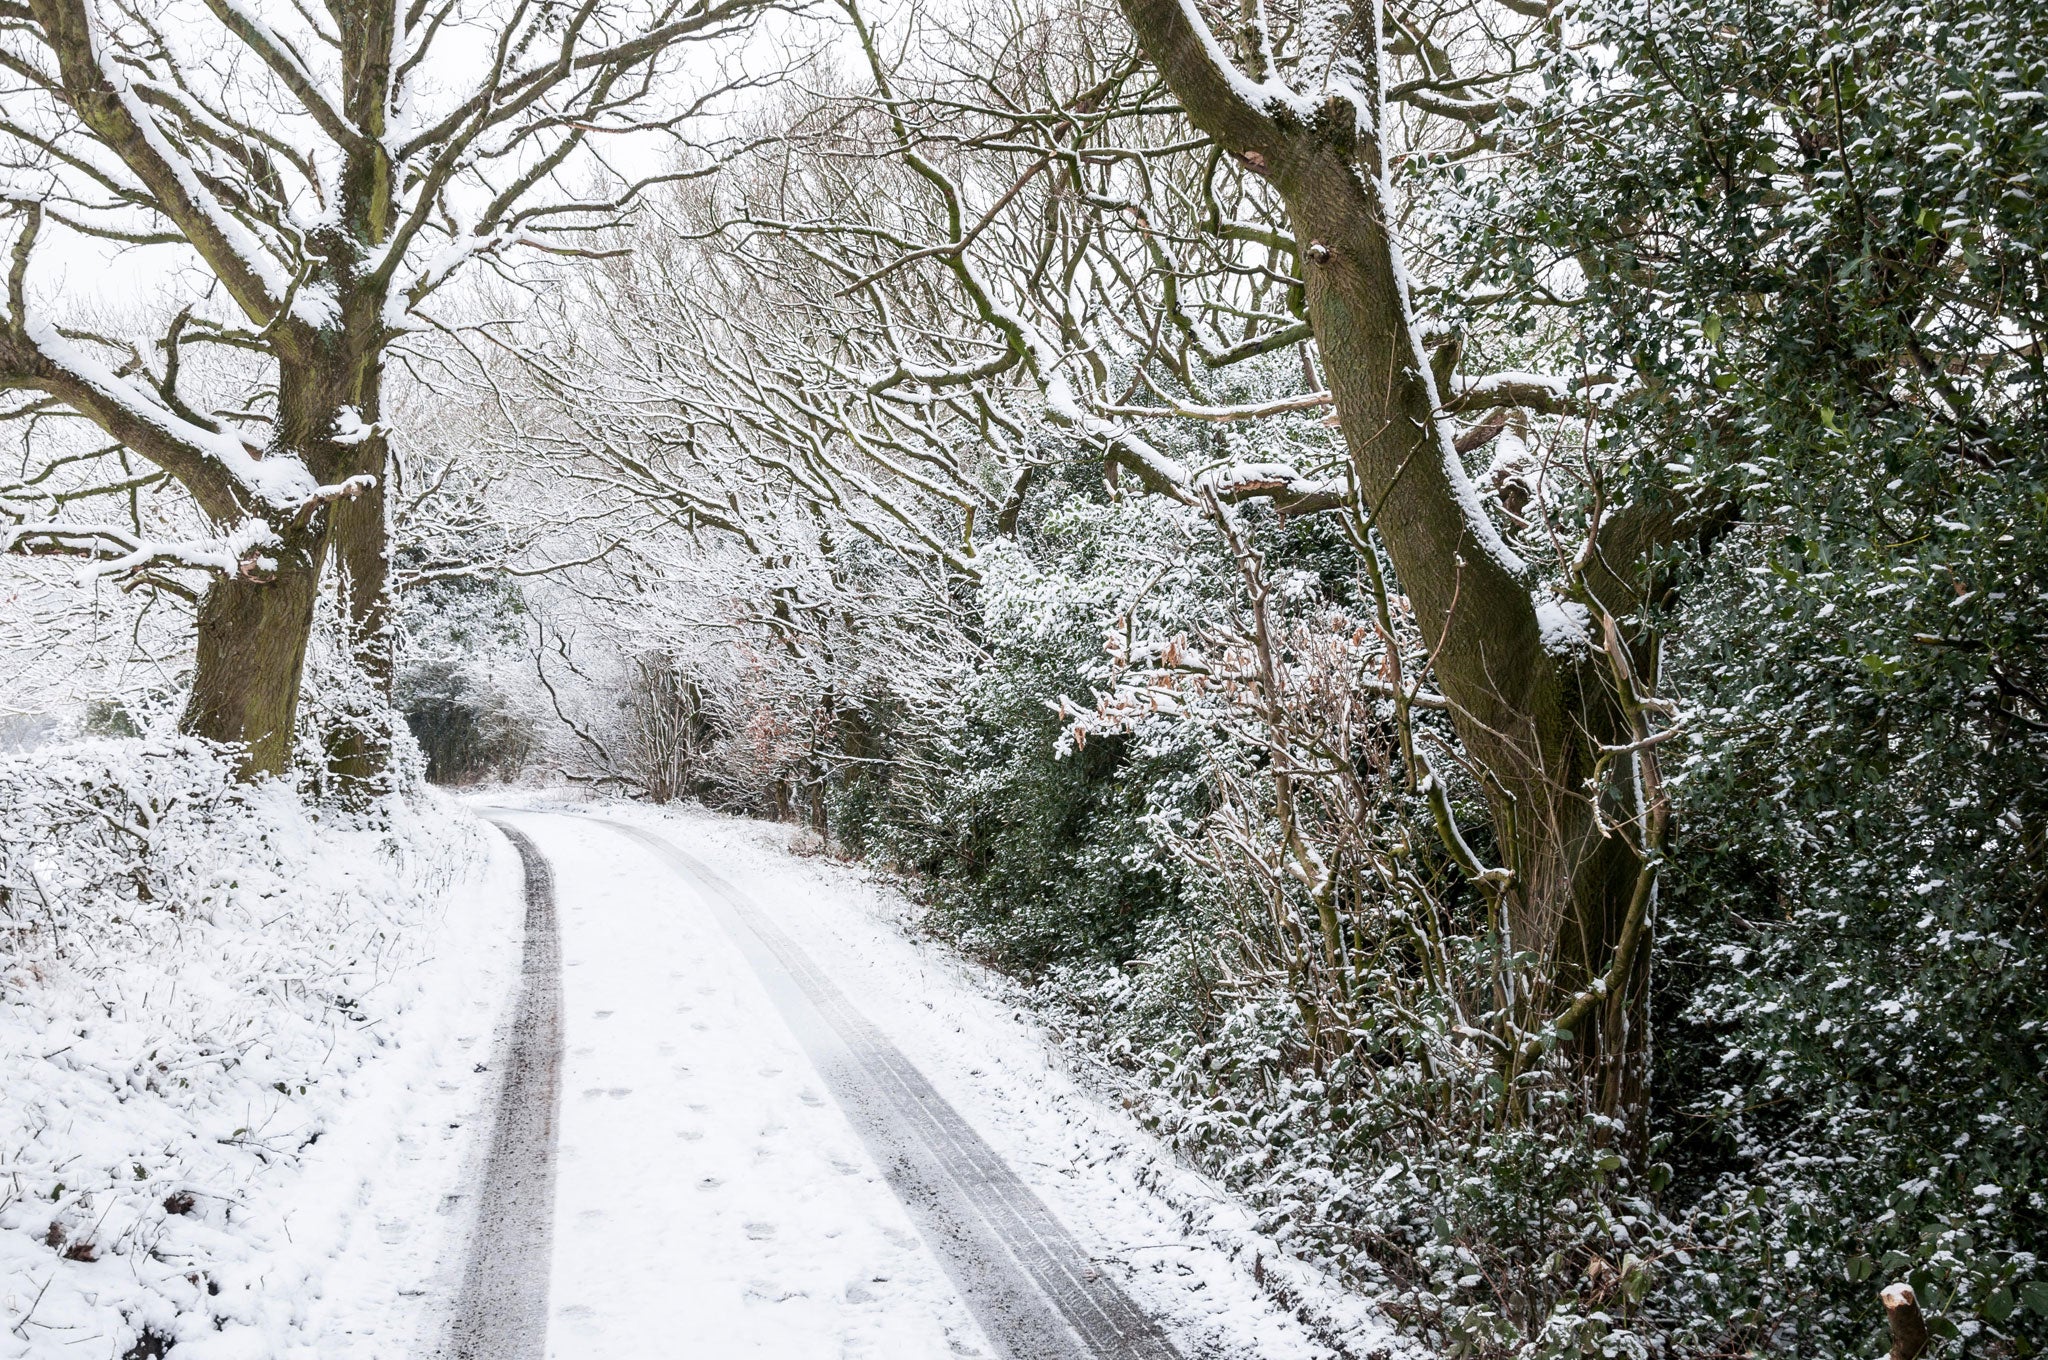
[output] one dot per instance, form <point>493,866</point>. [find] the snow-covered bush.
<point>1318,1024</point>
<point>1033,855</point>
<point>464,681</point>
<point>194,974</point>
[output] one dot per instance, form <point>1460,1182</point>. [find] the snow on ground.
<point>247,1060</point>
<point>241,1052</point>
<point>679,1077</point>
<point>709,1196</point>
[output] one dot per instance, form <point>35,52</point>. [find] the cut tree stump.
<point>1909,1329</point>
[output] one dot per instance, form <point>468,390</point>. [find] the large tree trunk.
<point>344,375</point>
<point>359,754</point>
<point>1532,711</point>
<point>251,655</point>
<point>253,633</point>
<point>1530,705</point>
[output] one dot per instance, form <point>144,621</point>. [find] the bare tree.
<point>1009,250</point>
<point>329,170</point>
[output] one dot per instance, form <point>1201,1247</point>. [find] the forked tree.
<point>329,170</point>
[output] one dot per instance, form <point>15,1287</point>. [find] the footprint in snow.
<point>769,1293</point>
<point>760,1232</point>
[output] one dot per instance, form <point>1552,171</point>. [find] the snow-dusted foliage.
<point>1034,854</point>
<point>1816,237</point>
<point>1316,1020</point>
<point>198,982</point>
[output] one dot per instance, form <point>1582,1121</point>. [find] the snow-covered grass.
<point>226,1021</point>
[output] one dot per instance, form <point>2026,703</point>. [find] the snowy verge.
<point>234,1034</point>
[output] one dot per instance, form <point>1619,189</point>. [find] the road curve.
<point>501,1312</point>
<point>1029,1284</point>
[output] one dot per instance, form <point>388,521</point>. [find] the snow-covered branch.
<point>247,552</point>
<point>1547,393</point>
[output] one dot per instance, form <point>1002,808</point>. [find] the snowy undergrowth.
<point>199,983</point>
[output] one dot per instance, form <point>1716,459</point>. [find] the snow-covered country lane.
<point>787,1128</point>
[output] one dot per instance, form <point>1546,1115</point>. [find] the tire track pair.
<point>1022,1274</point>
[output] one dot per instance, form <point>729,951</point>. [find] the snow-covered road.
<point>787,1130</point>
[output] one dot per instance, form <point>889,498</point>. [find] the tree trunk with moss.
<point>251,653</point>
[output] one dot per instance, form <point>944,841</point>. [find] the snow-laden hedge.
<point>195,977</point>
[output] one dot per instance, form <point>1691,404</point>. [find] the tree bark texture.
<point>346,372</point>
<point>243,691</point>
<point>251,656</point>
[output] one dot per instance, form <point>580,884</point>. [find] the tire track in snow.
<point>1021,1273</point>
<point>502,1310</point>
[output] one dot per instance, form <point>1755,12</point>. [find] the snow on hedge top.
<point>194,977</point>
